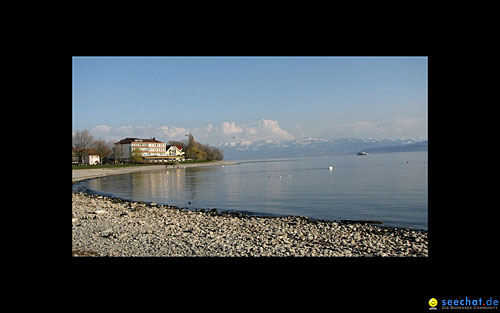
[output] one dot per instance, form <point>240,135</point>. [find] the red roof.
<point>130,140</point>
<point>178,147</point>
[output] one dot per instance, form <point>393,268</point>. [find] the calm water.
<point>375,187</point>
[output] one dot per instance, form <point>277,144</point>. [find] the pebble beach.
<point>104,226</point>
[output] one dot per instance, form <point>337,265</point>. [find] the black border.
<point>459,235</point>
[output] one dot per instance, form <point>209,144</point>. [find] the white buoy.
<point>290,175</point>
<point>222,165</point>
<point>331,168</point>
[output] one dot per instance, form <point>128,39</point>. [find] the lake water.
<point>380,187</point>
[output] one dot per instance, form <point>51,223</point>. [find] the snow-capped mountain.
<point>307,147</point>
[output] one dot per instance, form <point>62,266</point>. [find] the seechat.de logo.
<point>465,303</point>
<point>432,303</point>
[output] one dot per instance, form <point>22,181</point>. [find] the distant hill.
<point>418,146</point>
<point>313,147</point>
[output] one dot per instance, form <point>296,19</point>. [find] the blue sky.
<point>250,98</point>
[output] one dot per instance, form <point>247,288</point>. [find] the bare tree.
<point>102,148</point>
<point>118,152</point>
<point>191,142</point>
<point>82,141</point>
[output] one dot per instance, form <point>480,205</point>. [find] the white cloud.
<point>274,128</point>
<point>174,132</point>
<point>230,128</point>
<point>264,129</point>
<point>269,129</point>
<point>120,132</point>
<point>245,134</point>
<point>102,128</point>
<point>252,131</point>
<point>408,122</point>
<point>395,128</point>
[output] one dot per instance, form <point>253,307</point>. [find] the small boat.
<point>362,153</point>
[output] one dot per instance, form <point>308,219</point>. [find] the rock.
<point>100,211</point>
<point>108,233</point>
<point>347,252</point>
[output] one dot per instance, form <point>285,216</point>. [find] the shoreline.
<point>107,226</point>
<point>243,213</point>
<point>83,174</point>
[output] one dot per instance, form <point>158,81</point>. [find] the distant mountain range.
<point>316,147</point>
<point>418,146</point>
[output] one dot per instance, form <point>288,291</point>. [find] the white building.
<point>90,157</point>
<point>175,151</point>
<point>151,150</point>
<point>93,159</point>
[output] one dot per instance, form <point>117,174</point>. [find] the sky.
<point>250,99</point>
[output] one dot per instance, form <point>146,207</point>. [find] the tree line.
<point>197,151</point>
<point>83,141</point>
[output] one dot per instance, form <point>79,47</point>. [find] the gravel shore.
<point>82,174</point>
<point>104,226</point>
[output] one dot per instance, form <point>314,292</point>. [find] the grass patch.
<point>82,167</point>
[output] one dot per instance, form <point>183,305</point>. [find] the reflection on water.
<point>380,186</point>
